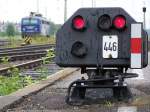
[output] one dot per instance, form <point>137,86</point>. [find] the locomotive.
<point>104,43</point>
<point>34,25</point>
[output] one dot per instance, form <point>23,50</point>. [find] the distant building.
<point>17,27</point>
<point>3,26</point>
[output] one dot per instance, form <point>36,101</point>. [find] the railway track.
<point>23,65</point>
<point>4,42</point>
<point>26,48</point>
<point>27,52</point>
<point>21,52</point>
<point>23,57</point>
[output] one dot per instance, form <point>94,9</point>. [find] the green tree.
<point>53,28</point>
<point>10,29</point>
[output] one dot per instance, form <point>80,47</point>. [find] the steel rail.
<point>30,64</point>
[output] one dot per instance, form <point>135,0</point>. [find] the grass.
<point>108,103</point>
<point>17,41</point>
<point>16,81</point>
<point>13,83</point>
<point>43,40</point>
<point>142,100</point>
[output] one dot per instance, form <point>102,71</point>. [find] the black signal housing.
<point>91,38</point>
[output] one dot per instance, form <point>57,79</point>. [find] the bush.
<point>10,30</point>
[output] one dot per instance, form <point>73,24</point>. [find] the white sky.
<point>14,10</point>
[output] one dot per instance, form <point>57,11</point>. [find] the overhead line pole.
<point>144,17</point>
<point>37,6</point>
<point>92,3</point>
<point>46,12</point>
<point>65,10</point>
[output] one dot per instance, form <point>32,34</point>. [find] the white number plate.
<point>110,46</point>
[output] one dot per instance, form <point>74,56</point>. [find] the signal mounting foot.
<point>122,93</point>
<point>76,94</point>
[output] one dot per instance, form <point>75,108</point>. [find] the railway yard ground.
<point>50,94</point>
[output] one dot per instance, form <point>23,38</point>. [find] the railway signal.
<point>104,43</point>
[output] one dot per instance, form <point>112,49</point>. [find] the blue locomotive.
<point>35,25</point>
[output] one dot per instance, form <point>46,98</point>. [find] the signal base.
<point>77,90</point>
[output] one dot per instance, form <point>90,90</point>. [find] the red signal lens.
<point>78,23</point>
<point>119,22</point>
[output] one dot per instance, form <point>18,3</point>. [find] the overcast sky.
<point>14,10</point>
